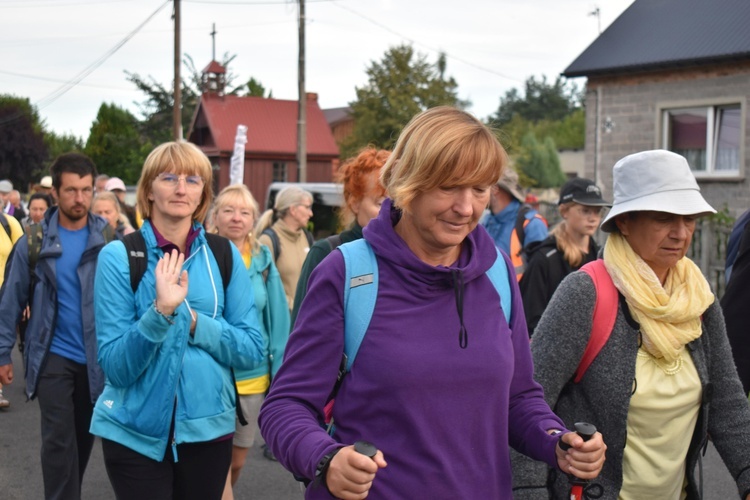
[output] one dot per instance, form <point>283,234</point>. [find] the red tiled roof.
<point>271,124</point>
<point>214,67</point>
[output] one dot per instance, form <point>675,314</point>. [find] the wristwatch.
<point>322,469</point>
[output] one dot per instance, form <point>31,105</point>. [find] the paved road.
<point>20,477</point>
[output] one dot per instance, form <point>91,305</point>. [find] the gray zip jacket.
<point>603,395</point>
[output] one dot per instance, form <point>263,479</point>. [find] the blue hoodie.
<point>443,415</point>
<point>155,369</point>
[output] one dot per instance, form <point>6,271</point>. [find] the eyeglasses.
<point>309,207</point>
<point>172,180</point>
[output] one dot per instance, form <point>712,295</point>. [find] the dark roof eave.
<point>638,68</point>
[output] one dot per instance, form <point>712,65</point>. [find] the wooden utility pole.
<point>213,42</point>
<point>177,111</point>
<point>302,109</point>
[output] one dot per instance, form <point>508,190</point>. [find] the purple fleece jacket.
<point>442,415</point>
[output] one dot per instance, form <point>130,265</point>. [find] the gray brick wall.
<point>630,106</point>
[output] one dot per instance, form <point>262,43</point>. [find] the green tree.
<point>541,101</point>
<point>539,162</point>
<point>156,110</point>
<point>252,88</point>
<point>398,87</point>
<point>59,144</point>
<point>115,144</point>
<point>23,152</point>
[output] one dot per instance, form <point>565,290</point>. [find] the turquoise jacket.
<point>155,369</point>
<point>273,314</point>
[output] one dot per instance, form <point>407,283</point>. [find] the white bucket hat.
<point>655,180</point>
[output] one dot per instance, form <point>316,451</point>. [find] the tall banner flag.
<point>237,164</point>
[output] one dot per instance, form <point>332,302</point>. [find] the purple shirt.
<point>167,246</point>
<point>443,416</point>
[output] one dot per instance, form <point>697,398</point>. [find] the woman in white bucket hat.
<point>664,380</point>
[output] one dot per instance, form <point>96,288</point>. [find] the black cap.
<point>583,192</point>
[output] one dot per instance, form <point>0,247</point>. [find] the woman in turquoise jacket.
<point>234,216</point>
<point>166,416</point>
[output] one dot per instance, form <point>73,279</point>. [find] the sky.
<point>491,46</point>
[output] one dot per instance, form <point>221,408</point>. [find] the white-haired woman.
<point>283,230</point>
<point>664,380</point>
<point>233,217</point>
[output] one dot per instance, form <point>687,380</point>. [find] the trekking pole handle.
<point>365,448</point>
<point>583,429</point>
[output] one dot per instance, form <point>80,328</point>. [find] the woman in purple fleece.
<point>442,384</point>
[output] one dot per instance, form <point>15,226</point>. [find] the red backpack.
<point>605,313</point>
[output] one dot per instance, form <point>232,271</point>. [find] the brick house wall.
<point>629,108</point>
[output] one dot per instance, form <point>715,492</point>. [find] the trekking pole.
<point>586,431</point>
<point>365,448</point>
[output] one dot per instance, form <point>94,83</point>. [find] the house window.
<point>279,172</point>
<point>708,136</point>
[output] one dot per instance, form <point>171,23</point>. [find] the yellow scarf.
<point>669,315</point>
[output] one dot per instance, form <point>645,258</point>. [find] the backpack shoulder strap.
<point>5,224</point>
<point>334,241</point>
<point>223,255</point>
<point>605,314</point>
<point>521,222</point>
<point>274,242</point>
<point>34,237</point>
<point>108,233</point>
<point>498,275</point>
<point>360,294</point>
<point>135,247</point>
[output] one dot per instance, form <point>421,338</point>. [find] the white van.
<point>328,197</point>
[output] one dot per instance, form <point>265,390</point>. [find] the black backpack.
<point>135,246</point>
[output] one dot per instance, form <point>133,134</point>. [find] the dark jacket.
<point>545,271</point>
<point>315,256</point>
<point>603,395</point>
<point>15,294</point>
<point>735,305</point>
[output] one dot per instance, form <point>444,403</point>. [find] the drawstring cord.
<point>458,288</point>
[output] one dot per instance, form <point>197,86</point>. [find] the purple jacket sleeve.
<point>529,415</point>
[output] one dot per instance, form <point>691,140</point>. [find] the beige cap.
<point>509,182</point>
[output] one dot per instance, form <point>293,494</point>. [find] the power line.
<point>415,42</point>
<point>55,80</point>
<point>56,94</point>
<point>62,90</point>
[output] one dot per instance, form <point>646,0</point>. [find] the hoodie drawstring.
<point>458,288</point>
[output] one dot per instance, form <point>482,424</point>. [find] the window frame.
<point>282,167</point>
<point>662,131</point>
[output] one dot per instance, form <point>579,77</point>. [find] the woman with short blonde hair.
<point>438,350</point>
<point>233,216</point>
<point>167,348</point>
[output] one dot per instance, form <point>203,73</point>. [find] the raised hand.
<point>171,282</point>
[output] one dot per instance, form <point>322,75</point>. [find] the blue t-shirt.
<point>67,340</point>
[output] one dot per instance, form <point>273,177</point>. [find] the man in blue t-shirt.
<point>512,224</point>
<point>60,350</point>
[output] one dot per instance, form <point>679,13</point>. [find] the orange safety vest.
<point>517,257</point>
